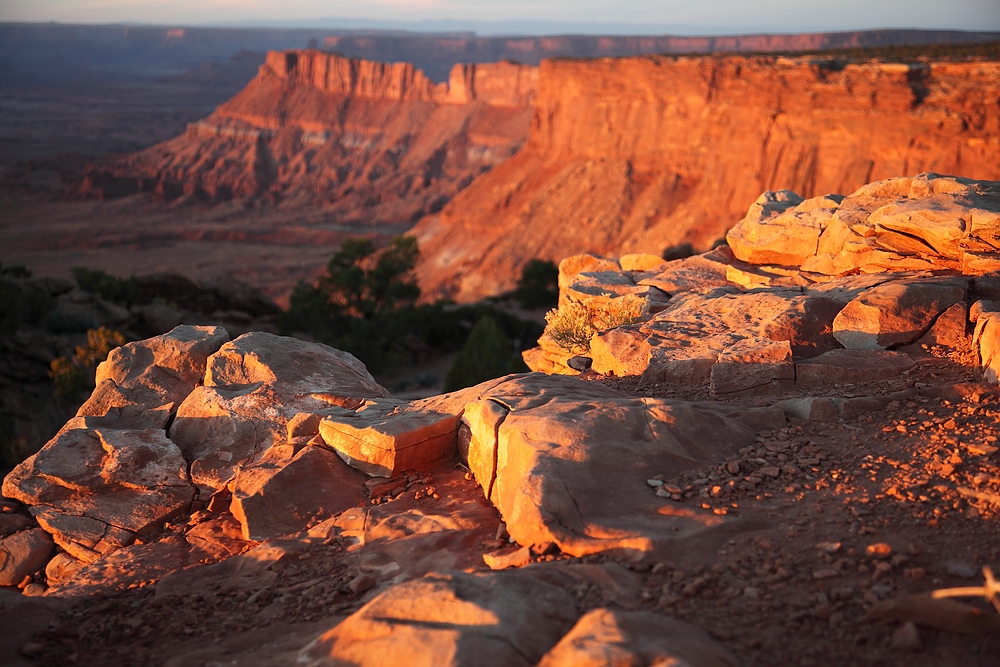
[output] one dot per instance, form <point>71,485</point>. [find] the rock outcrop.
<point>768,312</point>
<point>366,142</point>
<point>539,519</point>
<point>643,154</point>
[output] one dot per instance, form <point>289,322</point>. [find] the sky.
<point>623,16</point>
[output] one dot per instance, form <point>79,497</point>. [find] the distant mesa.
<point>365,142</point>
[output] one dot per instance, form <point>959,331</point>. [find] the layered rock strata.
<point>364,142</point>
<point>807,292</point>
<point>643,154</point>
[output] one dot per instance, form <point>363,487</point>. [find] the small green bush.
<point>110,288</point>
<point>487,354</point>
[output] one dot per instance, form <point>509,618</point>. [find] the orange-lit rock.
<point>925,222</point>
<point>283,495</point>
<point>384,437</point>
<point>141,384</point>
<point>94,489</point>
<point>253,386</point>
<point>895,313</point>
<point>356,141</point>
<point>570,460</point>
<point>451,619</point>
<point>22,554</point>
<point>642,154</point>
<point>614,637</point>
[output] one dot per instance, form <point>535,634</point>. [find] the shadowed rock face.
<point>642,154</point>
<point>365,142</point>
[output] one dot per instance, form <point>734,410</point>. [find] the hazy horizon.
<point>713,17</point>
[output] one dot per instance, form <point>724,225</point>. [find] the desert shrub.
<point>21,302</point>
<point>574,324</point>
<point>73,376</point>
<point>108,287</point>
<point>539,285</point>
<point>365,303</point>
<point>487,354</point>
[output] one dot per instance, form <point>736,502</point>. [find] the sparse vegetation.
<point>124,291</point>
<point>487,353</point>
<point>573,324</point>
<point>74,376</point>
<point>365,303</point>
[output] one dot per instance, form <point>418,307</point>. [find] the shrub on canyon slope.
<point>487,354</point>
<point>365,303</point>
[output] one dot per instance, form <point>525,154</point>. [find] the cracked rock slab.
<point>279,496</point>
<point>254,387</point>
<point>141,383</point>
<point>103,479</point>
<point>895,313</point>
<point>508,619</point>
<point>570,459</point>
<point>385,436</point>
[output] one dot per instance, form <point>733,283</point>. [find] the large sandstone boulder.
<point>568,462</point>
<point>94,489</point>
<point>22,554</point>
<point>141,384</point>
<point>699,329</point>
<point>633,639</point>
<point>507,619</point>
<point>286,492</point>
<point>895,313</point>
<point>253,387</point>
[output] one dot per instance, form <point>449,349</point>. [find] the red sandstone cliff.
<point>359,142</point>
<point>644,153</point>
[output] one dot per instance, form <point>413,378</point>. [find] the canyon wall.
<point>347,141</point>
<point>641,154</point>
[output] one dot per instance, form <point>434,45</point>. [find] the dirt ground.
<point>853,515</point>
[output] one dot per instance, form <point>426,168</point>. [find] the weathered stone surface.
<point>986,338</point>
<point>753,365</point>
<point>278,496</point>
<point>642,262</point>
<point>571,462</point>
<point>780,228</point>
<point>894,313</point>
<point>451,620</point>
<point>292,366</point>
<point>385,436</point>
<point>22,554</point>
<point>848,366</point>
<point>102,481</point>
<point>142,383</point>
<point>948,329</point>
<point>129,567</point>
<point>925,222</point>
<point>631,639</point>
<point>253,387</point>
<point>61,568</point>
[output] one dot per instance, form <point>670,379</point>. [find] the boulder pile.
<point>807,291</point>
<point>262,479</point>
